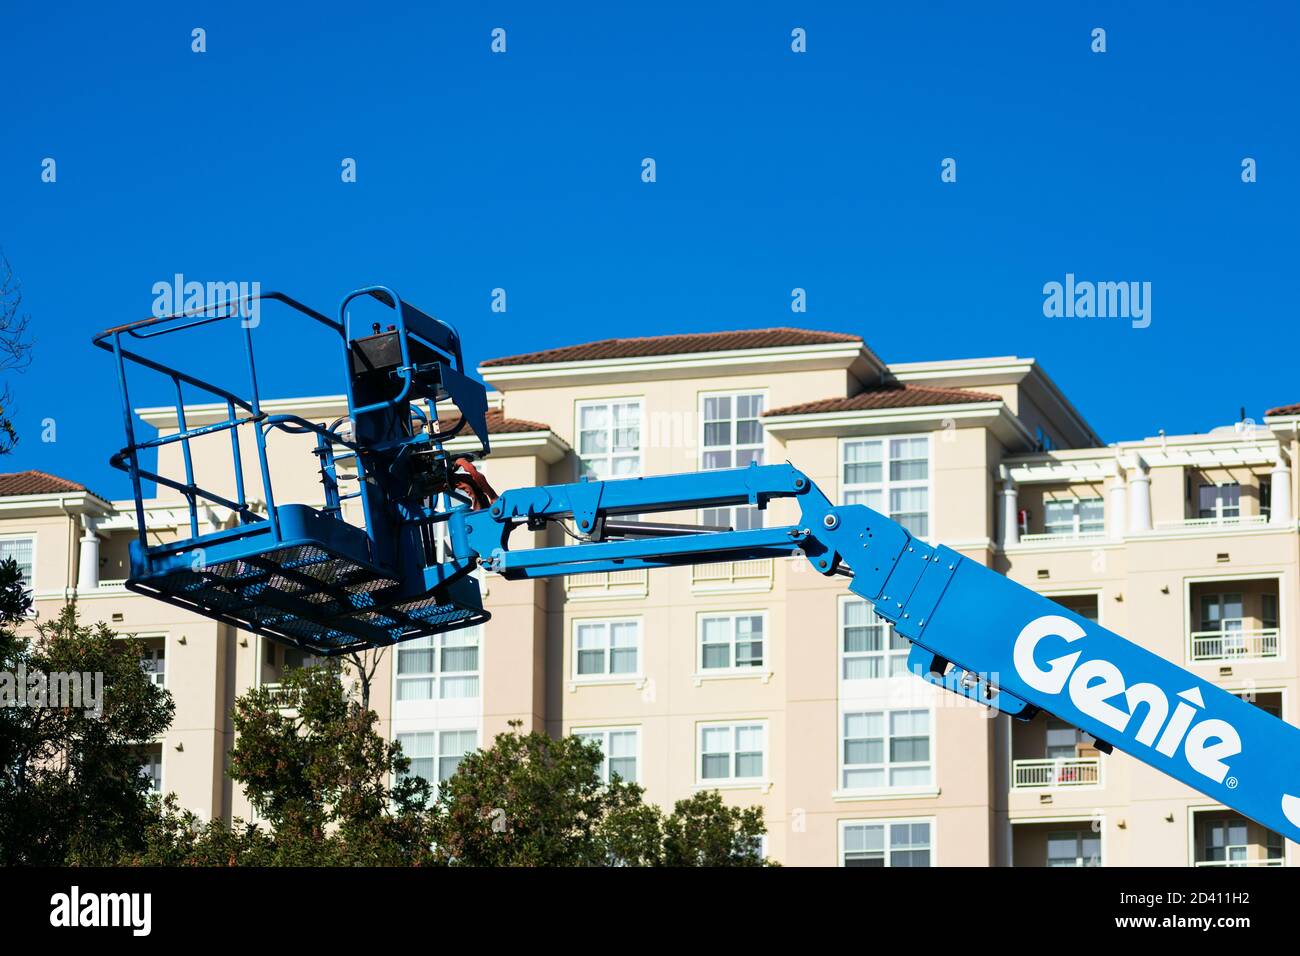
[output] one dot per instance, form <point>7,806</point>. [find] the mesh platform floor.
<point>314,599</point>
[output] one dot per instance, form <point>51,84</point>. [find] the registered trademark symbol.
<point>1232,783</point>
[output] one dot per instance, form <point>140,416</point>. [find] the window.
<point>1266,497</point>
<point>731,642</point>
<point>871,648</point>
<point>1062,740</point>
<point>439,666</point>
<point>153,661</point>
<point>1084,605</point>
<point>901,843</point>
<point>1074,516</point>
<point>886,749</point>
<point>891,476</point>
<point>435,754</point>
<point>606,648</point>
<point>620,747</point>
<point>732,437</point>
<point>732,752</point>
<point>1074,848</point>
<point>1268,611</point>
<point>609,439</point>
<point>1220,501</point>
<point>1225,842</point>
<point>22,550</point>
<point>151,767</point>
<point>1221,612</point>
<point>1268,701</point>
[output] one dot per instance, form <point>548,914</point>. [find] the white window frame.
<point>762,781</point>
<point>734,447</point>
<point>609,403</point>
<point>887,823</point>
<point>763,670</point>
<point>850,708</point>
<point>888,654</point>
<point>606,677</point>
<point>33,537</point>
<point>1079,835</point>
<point>438,756</point>
<point>152,674</point>
<point>162,767</point>
<point>1076,527</point>
<point>437,675</point>
<point>1221,508</point>
<point>603,733</point>
<point>885,486</point>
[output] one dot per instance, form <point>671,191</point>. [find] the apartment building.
<point>763,679</point>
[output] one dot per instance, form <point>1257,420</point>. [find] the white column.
<point>1010,509</point>
<point>1139,495</point>
<point>1116,508</point>
<point>88,564</point>
<point>1281,513</point>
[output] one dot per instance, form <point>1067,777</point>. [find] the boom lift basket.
<point>304,575</point>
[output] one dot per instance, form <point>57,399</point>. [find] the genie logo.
<point>1206,743</point>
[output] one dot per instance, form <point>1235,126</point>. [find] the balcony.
<point>1234,620</point>
<point>1226,839</point>
<point>1236,645</point>
<point>1057,772</point>
<point>283,698</point>
<point>753,575</point>
<point>633,582</point>
<point>1048,754</point>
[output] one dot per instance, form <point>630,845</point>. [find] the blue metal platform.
<point>305,576</point>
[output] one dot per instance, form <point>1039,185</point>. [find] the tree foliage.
<point>70,783</point>
<point>534,800</point>
<point>321,778</point>
<point>15,346</point>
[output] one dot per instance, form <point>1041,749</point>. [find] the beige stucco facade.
<point>850,765</point>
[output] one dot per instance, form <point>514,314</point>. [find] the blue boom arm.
<point>973,631</point>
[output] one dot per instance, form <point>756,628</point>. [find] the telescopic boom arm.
<point>973,631</point>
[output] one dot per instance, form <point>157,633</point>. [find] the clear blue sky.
<point>775,170</point>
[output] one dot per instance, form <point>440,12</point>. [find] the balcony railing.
<point>1062,537</point>
<point>282,697</point>
<point>633,582</point>
<point>755,574</point>
<point>1226,522</point>
<point>1257,644</point>
<point>1056,772</point>
<point>1274,861</point>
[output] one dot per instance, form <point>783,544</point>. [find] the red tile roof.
<point>888,396</point>
<point>1284,410</point>
<point>498,424</point>
<point>676,345</point>
<point>36,483</point>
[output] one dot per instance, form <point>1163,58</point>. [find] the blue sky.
<point>775,170</point>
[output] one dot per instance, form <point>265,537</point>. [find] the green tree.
<point>318,772</point>
<point>703,831</point>
<point>533,800</point>
<point>70,783</point>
